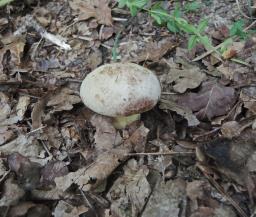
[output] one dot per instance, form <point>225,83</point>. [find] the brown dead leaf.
<point>63,99</point>
<point>12,193</point>
<point>247,96</point>
<point>232,129</point>
<point>24,145</point>
<point>212,100</point>
<point>106,136</point>
<point>92,8</point>
<point>6,135</point>
<point>91,176</point>
<point>60,99</point>
<point>130,191</point>
<point>13,47</point>
<point>22,105</point>
<point>52,170</point>
<point>154,50</point>
<point>5,108</point>
<point>187,77</point>
<point>233,50</point>
<point>181,110</point>
<point>64,209</point>
<point>20,209</point>
<point>28,173</point>
<point>166,199</point>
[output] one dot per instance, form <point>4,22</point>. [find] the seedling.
<point>192,6</point>
<point>174,22</point>
<point>237,29</point>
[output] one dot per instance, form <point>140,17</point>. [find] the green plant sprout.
<point>174,22</point>
<point>5,2</point>
<point>237,29</point>
<point>192,6</point>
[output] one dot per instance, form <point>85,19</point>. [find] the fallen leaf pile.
<point>192,155</point>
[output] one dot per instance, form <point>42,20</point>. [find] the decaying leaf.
<point>212,100</point>
<point>187,77</point>
<point>181,110</point>
<point>91,176</point>
<point>5,108</point>
<point>12,193</point>
<point>28,172</point>
<point>167,198</point>
<point>92,8</point>
<point>247,95</point>
<point>130,191</point>
<point>60,99</point>
<point>64,209</point>
<point>20,209</point>
<point>6,135</point>
<point>154,51</point>
<point>232,129</point>
<point>22,106</point>
<point>63,99</point>
<point>13,47</point>
<point>23,145</point>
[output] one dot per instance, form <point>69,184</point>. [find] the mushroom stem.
<point>122,121</point>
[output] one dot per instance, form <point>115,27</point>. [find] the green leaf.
<point>122,3</point>
<point>157,18</point>
<point>185,26</point>
<point>202,25</point>
<point>133,10</point>
<point>133,5</point>
<point>159,13</point>
<point>205,41</point>
<point>192,41</point>
<point>192,6</point>
<point>237,29</point>
<point>225,44</point>
<point>172,27</point>
<point>177,11</point>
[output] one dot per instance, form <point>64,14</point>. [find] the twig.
<point>114,49</point>
<point>219,189</point>
<point>220,45</point>
<point>3,177</point>
<point>88,203</point>
<point>35,130</point>
<point>161,153</point>
<point>241,12</point>
<point>31,22</point>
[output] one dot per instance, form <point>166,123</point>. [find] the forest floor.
<point>193,155</point>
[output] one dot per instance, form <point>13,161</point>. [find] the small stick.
<point>221,44</point>
<point>160,153</point>
<point>35,130</point>
<point>31,22</point>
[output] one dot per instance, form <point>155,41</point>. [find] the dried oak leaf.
<point>11,54</point>
<point>130,191</point>
<point>64,209</point>
<point>91,176</point>
<point>98,9</point>
<point>212,100</point>
<point>247,95</point>
<point>187,77</point>
<point>154,50</point>
<point>12,193</point>
<point>181,110</point>
<point>166,199</point>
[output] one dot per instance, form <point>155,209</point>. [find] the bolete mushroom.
<point>121,91</point>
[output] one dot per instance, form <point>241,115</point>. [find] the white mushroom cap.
<point>120,89</point>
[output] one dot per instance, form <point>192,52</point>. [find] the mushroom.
<point>121,91</point>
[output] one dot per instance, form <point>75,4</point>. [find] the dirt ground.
<point>192,155</point>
